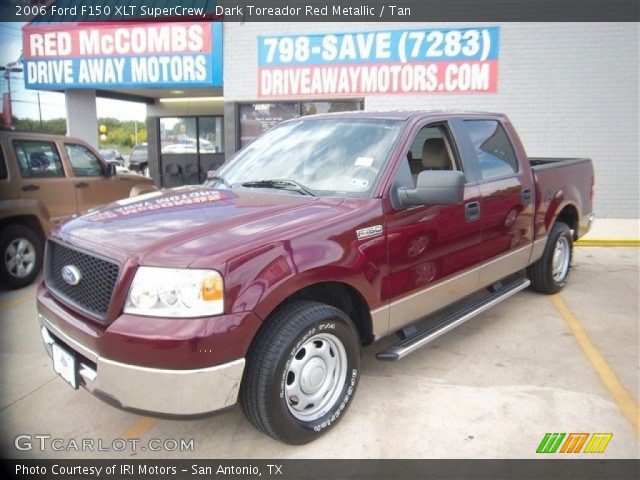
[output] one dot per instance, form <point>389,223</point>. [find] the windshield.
<point>338,156</point>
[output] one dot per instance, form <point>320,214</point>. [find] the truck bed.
<point>561,181</point>
<point>544,163</point>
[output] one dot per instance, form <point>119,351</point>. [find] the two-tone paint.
<point>407,264</point>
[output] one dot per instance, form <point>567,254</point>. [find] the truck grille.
<point>96,280</point>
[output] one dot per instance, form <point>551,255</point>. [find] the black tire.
<point>262,394</point>
<point>541,272</point>
<point>9,235</point>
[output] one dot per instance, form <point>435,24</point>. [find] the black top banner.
<point>321,11</point>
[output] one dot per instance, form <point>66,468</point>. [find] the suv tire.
<point>550,272</point>
<point>22,251</point>
<point>302,372</point>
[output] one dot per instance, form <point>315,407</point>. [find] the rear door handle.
<point>30,187</point>
<point>472,211</point>
<point>526,195</point>
<point>82,185</point>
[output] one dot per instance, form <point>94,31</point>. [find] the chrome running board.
<point>419,339</point>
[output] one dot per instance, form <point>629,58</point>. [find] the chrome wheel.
<point>315,377</point>
<point>561,258</point>
<point>20,257</point>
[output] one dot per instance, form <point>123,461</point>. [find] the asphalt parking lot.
<point>489,389</point>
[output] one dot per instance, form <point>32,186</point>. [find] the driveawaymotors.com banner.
<point>82,55</point>
<point>449,60</point>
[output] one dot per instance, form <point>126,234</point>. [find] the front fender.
<point>261,279</point>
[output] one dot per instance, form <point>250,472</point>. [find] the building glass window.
<point>191,135</point>
<point>257,118</point>
<point>313,108</point>
<point>178,135</point>
<point>211,134</point>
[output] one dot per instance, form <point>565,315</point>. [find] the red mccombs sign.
<point>85,55</point>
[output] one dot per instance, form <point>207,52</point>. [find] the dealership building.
<point>571,89</point>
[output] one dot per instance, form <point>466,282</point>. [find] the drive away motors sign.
<point>83,55</point>
<point>449,60</point>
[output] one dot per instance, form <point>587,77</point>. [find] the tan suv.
<point>43,180</point>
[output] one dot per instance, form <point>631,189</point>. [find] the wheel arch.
<point>336,292</point>
<point>28,220</point>
<point>569,215</point>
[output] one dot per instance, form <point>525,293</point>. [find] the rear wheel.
<point>549,274</point>
<point>302,372</point>
<point>21,249</point>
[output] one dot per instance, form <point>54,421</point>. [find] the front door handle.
<point>472,211</point>
<point>30,187</point>
<point>82,185</point>
<point>526,196</point>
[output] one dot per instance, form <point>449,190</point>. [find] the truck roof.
<point>403,114</point>
<point>37,135</point>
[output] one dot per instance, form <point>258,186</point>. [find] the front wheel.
<point>21,249</point>
<point>550,272</point>
<point>302,372</point>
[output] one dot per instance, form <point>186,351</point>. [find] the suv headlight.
<point>172,292</point>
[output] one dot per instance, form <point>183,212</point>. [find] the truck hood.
<point>175,227</point>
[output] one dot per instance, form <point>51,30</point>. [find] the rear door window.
<point>496,157</point>
<point>83,161</point>
<point>38,159</point>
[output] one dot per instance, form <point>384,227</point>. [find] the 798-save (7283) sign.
<point>154,54</point>
<point>447,60</point>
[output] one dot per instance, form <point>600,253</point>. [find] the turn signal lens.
<point>211,287</point>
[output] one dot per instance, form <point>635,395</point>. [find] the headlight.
<point>171,292</point>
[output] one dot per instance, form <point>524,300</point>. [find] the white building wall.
<point>571,89</point>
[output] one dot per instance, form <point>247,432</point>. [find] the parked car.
<point>139,160</point>
<point>45,179</point>
<point>325,234</point>
<point>112,155</point>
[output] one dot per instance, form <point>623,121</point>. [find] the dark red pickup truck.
<point>325,234</point>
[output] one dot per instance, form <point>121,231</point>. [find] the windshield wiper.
<point>280,184</point>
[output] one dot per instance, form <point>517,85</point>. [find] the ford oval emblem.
<point>71,275</point>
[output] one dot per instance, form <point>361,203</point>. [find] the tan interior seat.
<point>435,156</point>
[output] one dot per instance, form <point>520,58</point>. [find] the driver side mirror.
<point>110,170</point>
<point>434,187</point>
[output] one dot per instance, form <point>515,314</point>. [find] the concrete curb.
<point>607,242</point>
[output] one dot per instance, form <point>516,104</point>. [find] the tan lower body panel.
<point>407,310</point>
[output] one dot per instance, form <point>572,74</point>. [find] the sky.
<point>25,102</point>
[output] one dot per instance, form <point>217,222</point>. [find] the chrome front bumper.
<point>170,392</point>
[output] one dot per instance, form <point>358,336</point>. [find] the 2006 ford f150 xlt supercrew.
<point>325,234</point>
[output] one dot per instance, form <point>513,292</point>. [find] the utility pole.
<point>8,69</point>
<point>40,112</point>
